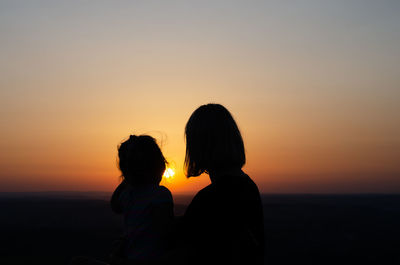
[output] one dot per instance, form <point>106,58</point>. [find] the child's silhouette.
<point>147,207</point>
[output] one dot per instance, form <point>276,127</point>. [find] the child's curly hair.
<point>141,161</point>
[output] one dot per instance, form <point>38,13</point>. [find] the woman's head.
<point>213,141</point>
<point>141,161</point>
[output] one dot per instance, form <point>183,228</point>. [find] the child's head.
<point>141,161</point>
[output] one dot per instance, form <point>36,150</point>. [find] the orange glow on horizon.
<point>316,97</point>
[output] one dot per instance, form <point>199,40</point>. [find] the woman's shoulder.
<point>205,192</point>
<point>248,182</point>
<point>248,186</point>
<point>204,196</point>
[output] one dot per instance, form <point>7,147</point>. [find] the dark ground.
<point>300,229</point>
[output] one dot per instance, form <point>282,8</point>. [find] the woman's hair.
<point>213,141</point>
<point>141,161</point>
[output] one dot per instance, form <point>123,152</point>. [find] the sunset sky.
<point>313,85</point>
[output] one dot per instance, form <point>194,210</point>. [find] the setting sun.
<point>169,173</point>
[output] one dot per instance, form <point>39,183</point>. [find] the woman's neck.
<point>216,175</point>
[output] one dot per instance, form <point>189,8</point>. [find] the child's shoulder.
<point>164,193</point>
<point>163,189</point>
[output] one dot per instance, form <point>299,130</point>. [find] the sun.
<point>169,173</point>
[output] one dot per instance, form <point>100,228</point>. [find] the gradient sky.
<point>313,85</point>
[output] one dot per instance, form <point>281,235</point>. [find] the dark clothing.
<point>148,216</point>
<point>224,223</point>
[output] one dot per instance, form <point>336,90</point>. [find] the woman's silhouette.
<point>224,222</point>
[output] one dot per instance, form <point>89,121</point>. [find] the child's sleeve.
<point>116,202</point>
<point>163,210</point>
<point>164,202</point>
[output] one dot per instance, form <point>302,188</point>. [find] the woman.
<point>224,222</point>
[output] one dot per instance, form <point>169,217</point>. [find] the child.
<point>147,207</point>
